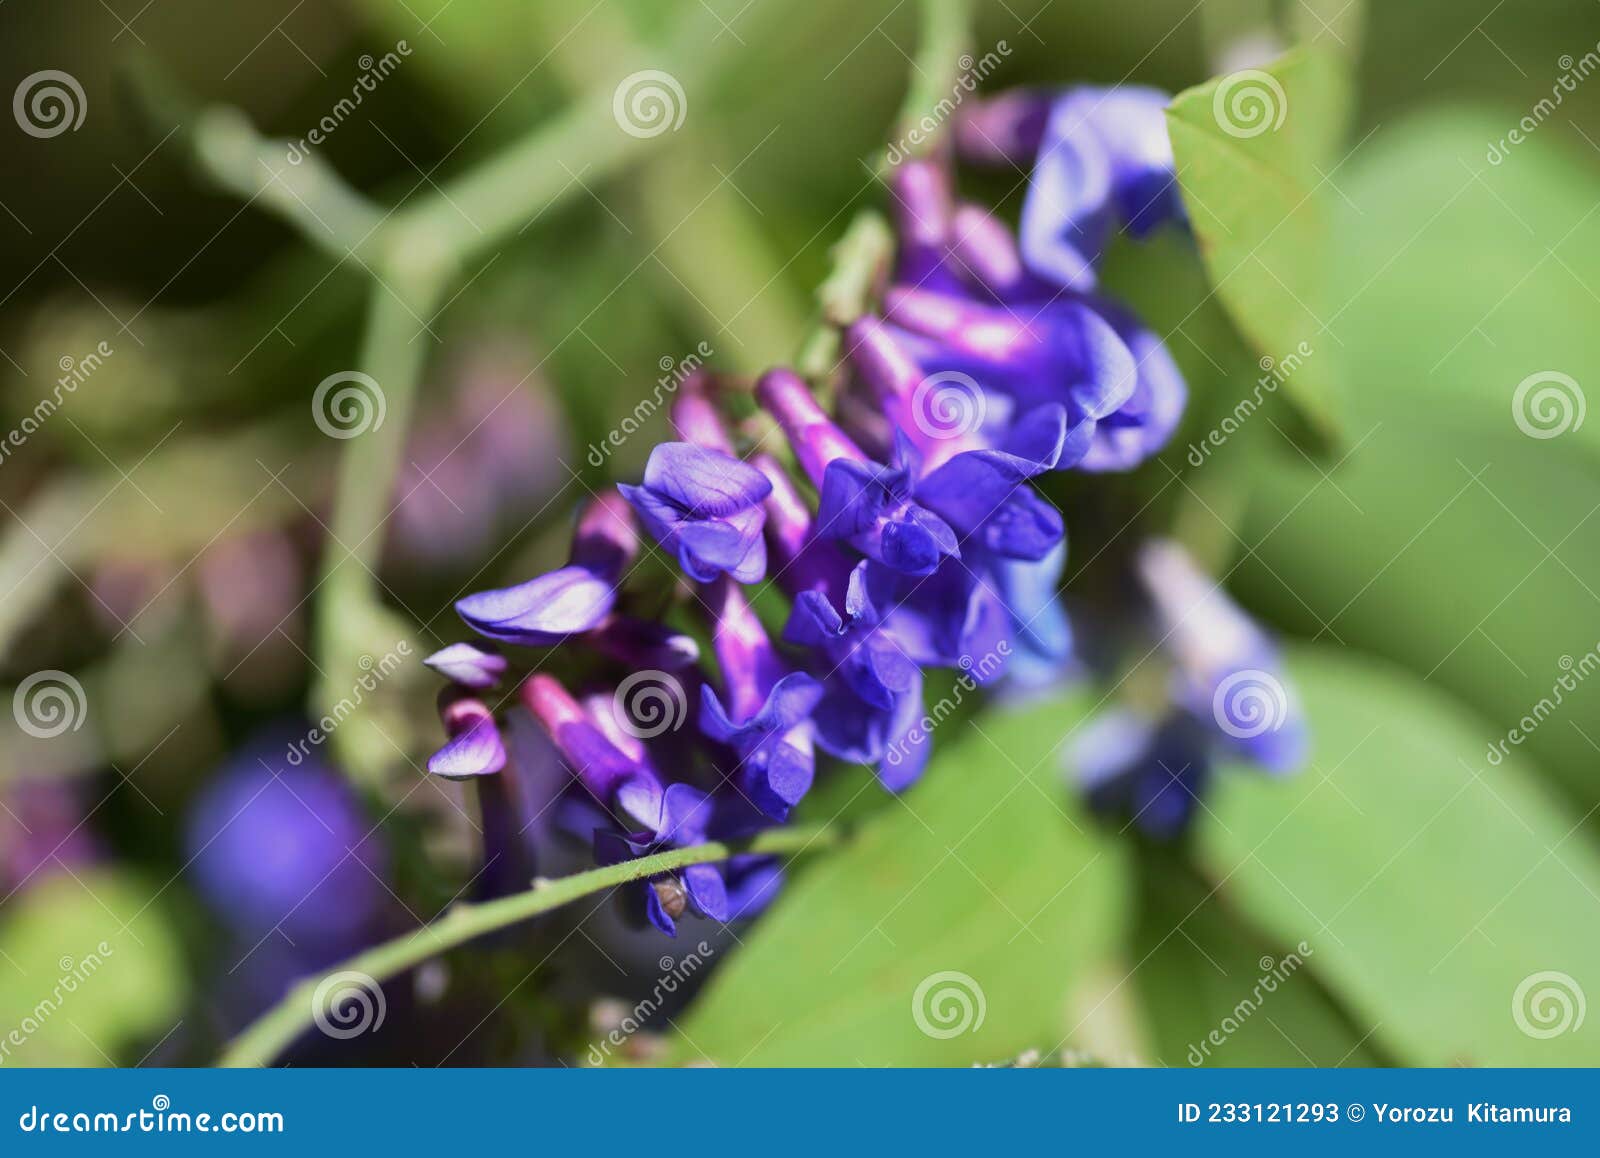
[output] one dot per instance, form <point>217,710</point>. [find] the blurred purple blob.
<point>279,842</point>
<point>486,454</point>
<point>42,830</point>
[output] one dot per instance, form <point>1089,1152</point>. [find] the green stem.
<point>308,194</point>
<point>946,34</point>
<point>351,621</point>
<point>274,1031</point>
<point>860,264</point>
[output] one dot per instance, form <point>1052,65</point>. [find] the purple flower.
<point>1104,160</point>
<point>1151,773</point>
<point>278,841</point>
<point>766,717</point>
<point>872,689</point>
<point>867,504</point>
<point>573,599</point>
<point>1227,670</point>
<point>1061,351</point>
<point>469,666</point>
<point>612,767</point>
<point>1004,129</point>
<point>705,507</point>
<point>474,747</point>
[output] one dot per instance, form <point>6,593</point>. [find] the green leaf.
<point>91,967</point>
<point>1449,540</point>
<point>1442,896</point>
<point>982,891</point>
<point>1217,991</point>
<point>1252,151</point>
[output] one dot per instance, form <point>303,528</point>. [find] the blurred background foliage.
<point>162,539</point>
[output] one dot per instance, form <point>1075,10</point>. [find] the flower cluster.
<point>891,529</point>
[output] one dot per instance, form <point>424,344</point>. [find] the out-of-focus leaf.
<point>1218,992</point>
<point>1449,540</point>
<point>1252,149</point>
<point>1444,898</point>
<point>949,931</point>
<point>93,968</point>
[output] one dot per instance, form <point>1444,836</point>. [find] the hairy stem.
<point>274,1031</point>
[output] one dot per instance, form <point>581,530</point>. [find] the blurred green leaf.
<point>1433,888</point>
<point>92,968</point>
<point>1449,540</point>
<point>1253,149</point>
<point>1219,992</point>
<point>984,888</point>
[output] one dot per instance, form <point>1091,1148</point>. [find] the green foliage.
<point>1430,885</point>
<point>1253,150</point>
<point>94,970</point>
<point>1203,970</point>
<point>1449,540</point>
<point>984,869</point>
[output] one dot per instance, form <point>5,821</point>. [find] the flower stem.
<point>274,1031</point>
